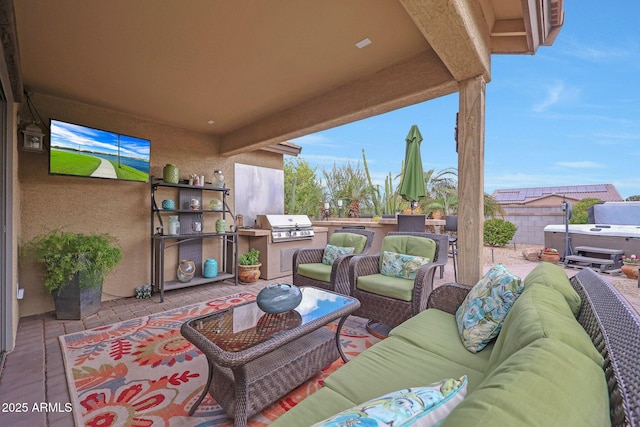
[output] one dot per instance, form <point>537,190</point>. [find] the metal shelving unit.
<point>189,242</point>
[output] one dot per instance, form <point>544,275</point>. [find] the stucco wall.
<point>100,205</point>
<point>531,221</point>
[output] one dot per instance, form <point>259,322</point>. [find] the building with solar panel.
<point>531,209</point>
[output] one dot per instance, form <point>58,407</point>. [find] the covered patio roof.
<point>254,74</point>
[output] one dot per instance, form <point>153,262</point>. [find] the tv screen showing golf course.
<point>83,151</point>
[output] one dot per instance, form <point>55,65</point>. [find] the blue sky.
<point>569,115</point>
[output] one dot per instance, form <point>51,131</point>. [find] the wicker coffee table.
<point>256,358</point>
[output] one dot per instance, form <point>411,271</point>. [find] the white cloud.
<point>316,140</point>
<point>552,98</point>
<point>556,94</point>
<point>583,164</point>
<point>325,159</point>
<point>597,52</point>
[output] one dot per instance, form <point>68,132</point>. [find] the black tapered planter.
<point>73,303</point>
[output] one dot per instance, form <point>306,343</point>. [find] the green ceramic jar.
<point>170,174</point>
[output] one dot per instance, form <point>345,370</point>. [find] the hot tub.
<point>624,237</point>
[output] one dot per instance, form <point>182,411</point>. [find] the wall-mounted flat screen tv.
<point>83,151</point>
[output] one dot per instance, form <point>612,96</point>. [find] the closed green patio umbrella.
<point>412,186</point>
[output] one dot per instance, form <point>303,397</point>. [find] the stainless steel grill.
<point>285,228</point>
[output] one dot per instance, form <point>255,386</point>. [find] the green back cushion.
<point>409,245</point>
<point>540,312</point>
<point>553,275</point>
<point>350,240</point>
<point>546,383</point>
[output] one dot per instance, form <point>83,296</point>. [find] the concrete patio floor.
<point>34,371</point>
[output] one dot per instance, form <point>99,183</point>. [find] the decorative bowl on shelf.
<point>278,298</point>
<point>215,205</point>
<point>168,204</point>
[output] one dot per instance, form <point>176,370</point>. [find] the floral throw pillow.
<point>401,265</point>
<point>417,406</point>
<point>331,253</point>
<point>481,314</point>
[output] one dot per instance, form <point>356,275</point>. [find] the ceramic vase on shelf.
<point>186,270</point>
<point>630,270</point>
<point>210,268</point>
<point>170,174</point>
<point>218,179</point>
<point>173,228</point>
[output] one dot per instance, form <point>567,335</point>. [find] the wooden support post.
<point>471,121</point>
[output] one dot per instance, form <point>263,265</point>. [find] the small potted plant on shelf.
<point>550,255</point>
<point>249,266</point>
<point>75,264</point>
<point>630,266</point>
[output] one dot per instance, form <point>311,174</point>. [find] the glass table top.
<point>244,326</point>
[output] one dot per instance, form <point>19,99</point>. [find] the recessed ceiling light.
<point>363,43</point>
<point>210,122</point>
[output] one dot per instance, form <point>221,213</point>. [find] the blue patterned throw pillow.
<point>416,406</point>
<point>481,314</point>
<point>401,265</point>
<point>331,253</point>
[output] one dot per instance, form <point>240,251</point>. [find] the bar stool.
<point>451,226</point>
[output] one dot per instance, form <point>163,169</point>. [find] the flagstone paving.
<point>33,387</point>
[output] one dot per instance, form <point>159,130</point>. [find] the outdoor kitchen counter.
<point>380,227</point>
<point>277,257</point>
<point>259,232</point>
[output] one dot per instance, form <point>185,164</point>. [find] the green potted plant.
<point>249,266</point>
<point>75,264</point>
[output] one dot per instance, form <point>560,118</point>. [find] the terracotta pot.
<point>630,270</point>
<point>249,273</point>
<point>550,257</point>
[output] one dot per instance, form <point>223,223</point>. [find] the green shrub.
<point>498,232</point>
<point>580,210</point>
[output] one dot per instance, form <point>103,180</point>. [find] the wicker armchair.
<point>308,269</point>
<point>383,304</point>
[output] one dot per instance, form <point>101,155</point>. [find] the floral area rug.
<point>142,372</point>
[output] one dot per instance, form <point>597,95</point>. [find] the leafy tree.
<point>491,207</point>
<point>580,214</point>
<point>349,184</point>
<point>303,192</point>
<point>498,232</point>
<point>635,198</point>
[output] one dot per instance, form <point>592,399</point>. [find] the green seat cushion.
<point>541,312</point>
<point>349,240</point>
<point>392,287</point>
<point>545,384</point>
<point>393,364</point>
<point>315,270</point>
<point>320,405</point>
<point>409,245</point>
<point>554,276</point>
<point>436,331</point>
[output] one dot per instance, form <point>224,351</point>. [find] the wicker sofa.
<point>546,367</point>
